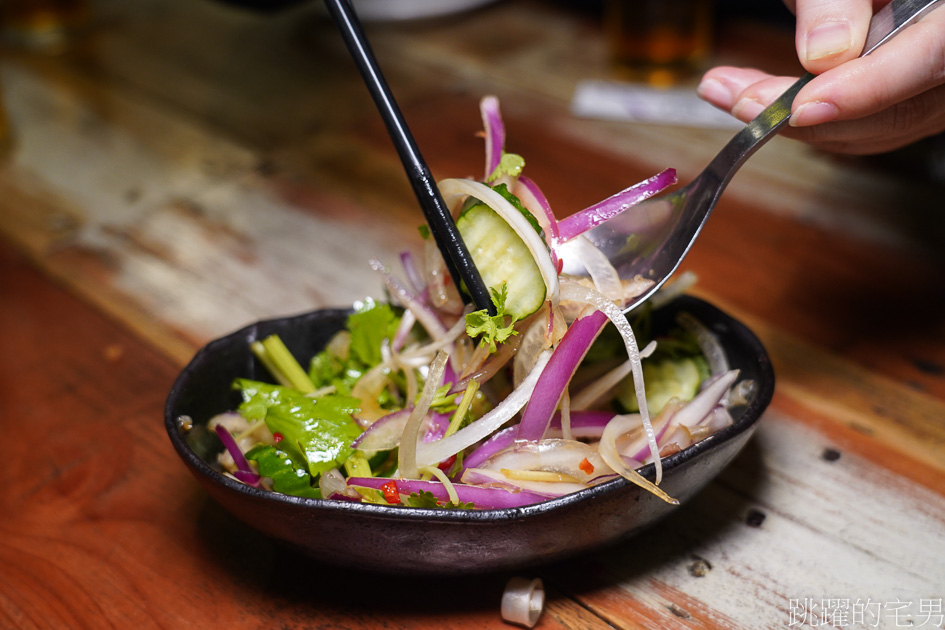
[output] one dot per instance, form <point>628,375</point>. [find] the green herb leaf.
<point>288,474</point>
<point>509,164</point>
<point>493,328</point>
<point>369,326</point>
<point>319,430</point>
<point>426,499</point>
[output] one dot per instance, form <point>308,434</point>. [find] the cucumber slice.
<point>502,257</point>
<point>663,380</point>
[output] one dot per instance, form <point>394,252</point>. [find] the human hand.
<point>858,105</point>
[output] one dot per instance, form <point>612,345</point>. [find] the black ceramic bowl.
<point>424,541</point>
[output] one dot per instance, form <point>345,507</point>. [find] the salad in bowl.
<point>415,434</point>
<point>421,402</point>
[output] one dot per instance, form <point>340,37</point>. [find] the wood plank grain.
<point>104,528</point>
<point>782,523</point>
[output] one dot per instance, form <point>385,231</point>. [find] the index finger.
<point>830,32</point>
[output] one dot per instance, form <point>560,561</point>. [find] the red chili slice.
<point>391,493</point>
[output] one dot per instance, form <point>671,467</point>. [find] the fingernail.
<point>828,39</point>
<point>746,109</point>
<point>814,113</point>
<point>715,92</point>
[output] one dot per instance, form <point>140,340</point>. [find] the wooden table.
<point>187,168</point>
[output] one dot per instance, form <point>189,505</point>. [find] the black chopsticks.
<point>458,261</point>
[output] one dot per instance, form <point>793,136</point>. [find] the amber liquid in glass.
<point>41,23</point>
<point>659,41</point>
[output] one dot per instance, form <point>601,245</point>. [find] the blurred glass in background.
<point>42,25</point>
<point>659,42</point>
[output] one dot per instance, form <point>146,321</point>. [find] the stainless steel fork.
<point>652,238</point>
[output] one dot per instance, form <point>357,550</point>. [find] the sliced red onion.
<point>244,472</point>
<point>407,320</point>
<point>565,413</point>
<point>441,292</point>
<point>591,217</point>
<point>496,478</point>
<point>413,274</point>
<point>495,133</point>
<point>249,478</point>
<point>584,424</point>
<point>712,395</point>
<point>578,293</point>
<point>535,338</point>
<point>639,448</point>
<point>482,498</point>
<point>437,425</point>
<point>534,200</point>
<point>499,441</point>
<point>434,452</point>
<point>718,419</point>
<point>565,360</point>
<point>384,434</point>
<point>593,392</point>
<point>367,389</point>
<point>426,316</point>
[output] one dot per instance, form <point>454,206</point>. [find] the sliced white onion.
<point>332,482</point>
<point>367,389</point>
<point>433,452</point>
<point>523,601</point>
<point>590,395</point>
<point>565,407</point>
<point>441,292</point>
<point>708,343</point>
<point>497,478</point>
<point>602,272</point>
<point>534,341</point>
<point>407,453</point>
<point>608,452</point>
<point>578,293</point>
<point>551,455</point>
<point>421,355</point>
<point>678,285</point>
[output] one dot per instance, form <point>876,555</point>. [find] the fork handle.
<point>886,24</point>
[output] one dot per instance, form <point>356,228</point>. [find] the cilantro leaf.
<point>426,499</point>
<point>493,328</point>
<point>341,364</point>
<point>509,164</point>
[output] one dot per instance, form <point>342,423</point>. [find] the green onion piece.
<point>279,361</point>
<point>357,465</point>
<point>456,420</point>
<point>264,358</point>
